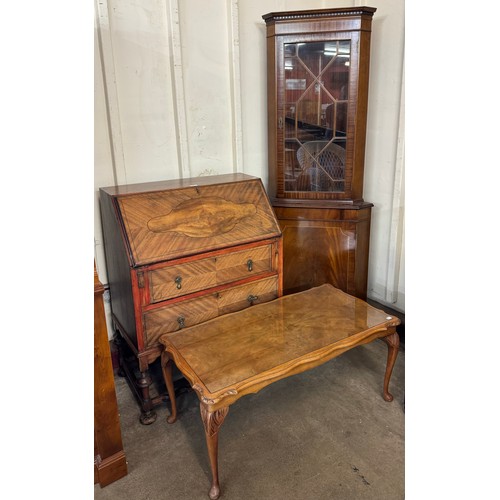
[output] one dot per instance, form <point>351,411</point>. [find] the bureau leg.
<point>392,342</point>
<point>212,422</point>
<point>166,367</point>
<point>148,415</point>
<point>138,383</point>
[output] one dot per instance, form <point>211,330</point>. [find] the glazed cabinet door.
<point>317,99</point>
<point>313,113</point>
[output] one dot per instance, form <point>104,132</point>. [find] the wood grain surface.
<point>243,352</point>
<point>165,225</point>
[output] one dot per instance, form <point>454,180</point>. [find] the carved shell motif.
<point>212,420</point>
<point>201,218</point>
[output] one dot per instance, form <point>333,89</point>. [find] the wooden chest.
<point>182,252</point>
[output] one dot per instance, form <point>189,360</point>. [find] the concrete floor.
<point>323,434</point>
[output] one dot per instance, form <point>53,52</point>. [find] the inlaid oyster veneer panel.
<point>164,225</point>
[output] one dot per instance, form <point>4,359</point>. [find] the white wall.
<point>180,91</point>
<point>384,157</point>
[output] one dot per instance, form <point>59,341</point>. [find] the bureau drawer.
<point>171,318</point>
<point>176,316</point>
<point>239,297</point>
<point>174,281</point>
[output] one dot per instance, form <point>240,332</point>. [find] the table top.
<point>242,352</point>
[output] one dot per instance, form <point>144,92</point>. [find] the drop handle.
<point>181,320</point>
<point>252,298</point>
<point>178,282</point>
<point>249,265</point>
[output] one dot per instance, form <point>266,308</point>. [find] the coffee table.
<point>242,352</point>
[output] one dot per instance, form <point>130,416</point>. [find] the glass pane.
<point>316,98</point>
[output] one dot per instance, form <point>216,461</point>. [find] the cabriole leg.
<point>166,366</point>
<point>392,342</point>
<point>212,422</point>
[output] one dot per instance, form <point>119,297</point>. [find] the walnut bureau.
<point>241,353</point>
<point>182,252</point>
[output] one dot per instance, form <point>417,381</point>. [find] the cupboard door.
<point>327,245</point>
<point>318,252</point>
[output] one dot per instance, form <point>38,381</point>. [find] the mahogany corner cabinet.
<point>179,253</point>
<point>318,64</point>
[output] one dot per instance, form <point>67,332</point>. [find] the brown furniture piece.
<point>241,353</point>
<point>182,252</point>
<point>318,63</point>
<point>110,462</point>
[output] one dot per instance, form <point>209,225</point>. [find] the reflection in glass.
<point>316,90</point>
